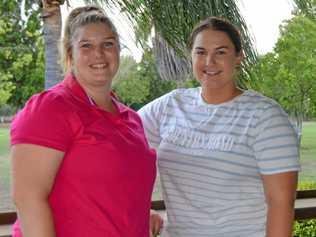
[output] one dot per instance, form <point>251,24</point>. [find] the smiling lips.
<point>98,66</point>
<point>211,72</point>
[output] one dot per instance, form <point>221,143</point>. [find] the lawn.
<point>4,141</point>
<point>308,152</point>
<point>4,159</point>
<point>5,201</point>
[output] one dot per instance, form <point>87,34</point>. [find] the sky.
<point>263,18</point>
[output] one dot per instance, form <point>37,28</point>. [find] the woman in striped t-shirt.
<point>227,157</point>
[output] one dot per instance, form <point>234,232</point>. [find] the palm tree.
<point>52,30</point>
<point>170,20</point>
<point>306,8</point>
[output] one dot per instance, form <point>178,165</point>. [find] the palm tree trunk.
<point>52,33</point>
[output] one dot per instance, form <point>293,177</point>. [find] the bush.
<point>305,228</point>
<point>305,185</point>
<point>7,110</point>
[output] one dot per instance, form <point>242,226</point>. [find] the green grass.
<point>4,156</point>
<point>308,149</point>
<point>308,152</point>
<point>4,141</point>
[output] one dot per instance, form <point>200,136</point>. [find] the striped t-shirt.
<point>210,158</point>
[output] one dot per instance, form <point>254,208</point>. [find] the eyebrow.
<point>219,47</point>
<point>88,40</point>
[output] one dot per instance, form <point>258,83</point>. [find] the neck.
<point>101,96</point>
<point>216,96</point>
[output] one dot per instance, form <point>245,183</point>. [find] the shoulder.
<point>181,95</point>
<point>45,120</point>
<point>261,102</point>
<point>45,106</point>
<point>52,99</point>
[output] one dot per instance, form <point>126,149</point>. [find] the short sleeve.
<point>276,144</point>
<point>43,121</point>
<point>151,115</point>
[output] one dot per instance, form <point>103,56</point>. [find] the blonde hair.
<point>77,18</point>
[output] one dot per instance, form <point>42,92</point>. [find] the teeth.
<point>212,73</point>
<point>98,65</point>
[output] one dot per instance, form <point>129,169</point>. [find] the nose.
<point>210,59</point>
<point>99,52</point>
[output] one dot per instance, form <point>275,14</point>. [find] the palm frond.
<point>173,21</point>
<point>169,65</point>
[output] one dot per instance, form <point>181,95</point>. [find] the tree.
<point>306,8</point>
<point>289,73</point>
<point>138,84</point>
<point>51,15</point>
<point>172,21</point>
<point>130,88</point>
<point>148,71</point>
<point>21,52</point>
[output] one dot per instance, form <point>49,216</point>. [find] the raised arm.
<point>33,173</point>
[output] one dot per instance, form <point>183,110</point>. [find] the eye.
<point>200,52</point>
<point>108,44</point>
<point>221,52</point>
<point>86,45</point>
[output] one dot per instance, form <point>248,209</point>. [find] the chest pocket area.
<point>192,139</point>
<point>96,132</point>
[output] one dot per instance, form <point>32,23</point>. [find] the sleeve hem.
<point>39,142</point>
<point>298,169</point>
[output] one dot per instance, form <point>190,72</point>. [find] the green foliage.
<point>173,20</point>
<point>21,52</point>
<point>138,84</point>
<point>289,73</point>
<point>148,71</point>
<point>306,185</point>
<point>306,8</point>
<point>305,228</point>
<point>7,110</point>
<point>130,88</point>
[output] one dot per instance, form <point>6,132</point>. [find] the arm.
<point>280,191</point>
<point>33,173</point>
<point>156,223</point>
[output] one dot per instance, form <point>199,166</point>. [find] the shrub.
<point>305,228</point>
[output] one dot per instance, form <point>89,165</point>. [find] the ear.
<point>69,58</point>
<point>239,58</point>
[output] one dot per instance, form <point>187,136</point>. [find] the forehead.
<point>212,38</point>
<point>93,31</point>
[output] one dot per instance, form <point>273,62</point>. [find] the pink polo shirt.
<point>104,183</point>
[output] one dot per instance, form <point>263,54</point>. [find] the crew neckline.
<point>202,102</point>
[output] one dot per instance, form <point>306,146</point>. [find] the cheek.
<point>230,65</point>
<point>194,65</point>
<point>194,62</point>
<point>80,58</point>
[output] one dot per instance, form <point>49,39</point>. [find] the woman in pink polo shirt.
<point>81,165</point>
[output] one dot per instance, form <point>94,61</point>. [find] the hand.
<point>155,223</point>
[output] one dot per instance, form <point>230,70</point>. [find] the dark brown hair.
<point>218,24</point>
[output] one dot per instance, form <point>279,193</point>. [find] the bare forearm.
<point>36,219</point>
<point>280,220</point>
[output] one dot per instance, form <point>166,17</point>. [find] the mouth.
<point>98,66</point>
<point>212,72</point>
